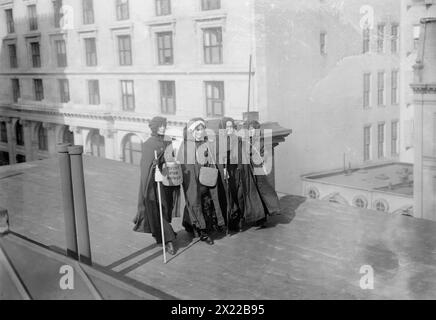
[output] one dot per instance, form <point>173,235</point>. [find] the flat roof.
<point>313,250</point>
<point>388,178</point>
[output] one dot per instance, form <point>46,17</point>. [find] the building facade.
<point>95,71</point>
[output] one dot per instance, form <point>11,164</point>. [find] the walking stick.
<point>161,214</point>
<point>228,198</point>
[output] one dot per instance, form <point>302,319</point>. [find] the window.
<point>13,56</point>
<point>57,10</point>
<point>381,205</point>
<point>313,193</point>
<point>132,149</point>
<point>381,88</point>
<point>64,90</point>
<point>213,46</point>
<point>165,48</point>
<point>394,138</point>
<point>20,158</point>
<point>215,98</point>
<point>90,52</point>
<point>39,89</point>
<point>323,43</point>
<point>3,132</point>
<point>122,9</point>
<point>10,21</point>
<point>42,138</point>
<point>416,36</point>
<point>366,90</point>
<point>163,7</point>
<point>381,140</point>
<point>61,53</point>
<point>125,50</point>
<point>394,38</point>
<point>128,95</point>
<point>94,92</point>
<point>367,143</point>
<point>380,38</point>
<point>32,16</point>
<point>394,87</point>
<point>366,40</point>
<point>168,97</point>
<point>16,89</point>
<point>97,145</point>
<point>360,202</point>
<point>210,4</point>
<point>4,158</point>
<point>88,11</point>
<point>36,56</point>
<point>19,134</point>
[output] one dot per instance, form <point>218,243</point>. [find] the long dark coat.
<point>148,216</point>
<point>194,215</point>
<point>253,194</point>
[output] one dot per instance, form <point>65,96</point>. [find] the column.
<point>110,143</point>
<point>11,139</point>
<point>51,138</point>
<point>27,131</point>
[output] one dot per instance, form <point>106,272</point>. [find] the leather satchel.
<point>209,175</point>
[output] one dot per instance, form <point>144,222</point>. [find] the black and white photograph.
<point>217,150</point>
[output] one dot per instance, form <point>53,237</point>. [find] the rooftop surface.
<point>387,178</point>
<point>313,250</point>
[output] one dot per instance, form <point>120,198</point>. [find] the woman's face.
<point>161,130</point>
<point>229,128</point>
<point>199,132</point>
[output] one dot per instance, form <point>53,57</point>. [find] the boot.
<point>206,238</point>
<point>170,248</point>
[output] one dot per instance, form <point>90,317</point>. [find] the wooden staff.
<point>161,214</point>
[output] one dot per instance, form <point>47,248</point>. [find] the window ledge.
<point>121,25</point>
<point>210,16</point>
<point>87,28</point>
<point>161,21</point>
<point>10,36</point>
<point>32,34</point>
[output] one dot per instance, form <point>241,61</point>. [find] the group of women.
<point>224,181</point>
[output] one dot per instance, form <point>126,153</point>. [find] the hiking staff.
<point>158,179</point>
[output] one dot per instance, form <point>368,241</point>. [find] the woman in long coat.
<point>260,198</point>
<point>205,206</point>
<point>147,219</point>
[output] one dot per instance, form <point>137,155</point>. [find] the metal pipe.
<point>68,199</point>
<point>80,207</point>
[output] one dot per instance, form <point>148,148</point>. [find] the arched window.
<point>381,205</point>
<point>19,134</point>
<point>97,145</point>
<point>42,138</point>
<point>360,202</point>
<point>68,136</point>
<point>132,149</point>
<point>3,132</point>
<point>313,193</point>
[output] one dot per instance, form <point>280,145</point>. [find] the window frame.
<point>381,140</point>
<point>95,93</point>
<point>91,57</point>
<point>208,5</point>
<point>125,56</point>
<point>161,37</point>
<point>38,87</point>
<point>367,90</point>
<point>19,134</point>
<point>381,30</point>
<point>13,58</point>
<point>381,88</point>
<point>42,138</point>
<point>395,138</point>
<point>208,50</point>
<point>3,132</point>
<point>88,13</point>
<point>35,54</point>
<point>64,95</point>
<point>10,24</point>
<point>165,98</point>
<point>213,100</point>
<point>61,57</point>
<point>32,16</point>
<point>323,43</point>
<point>159,4</point>
<point>395,37</point>
<point>128,148</point>
<point>128,100</point>
<point>367,143</point>
<point>122,13</point>
<point>395,81</point>
<point>366,40</point>
<point>16,92</point>
<point>57,12</point>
